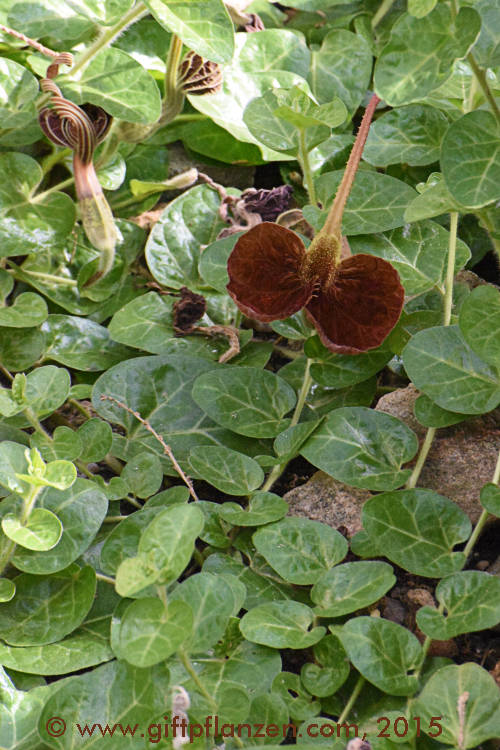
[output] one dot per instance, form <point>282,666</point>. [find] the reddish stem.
<point>333,221</point>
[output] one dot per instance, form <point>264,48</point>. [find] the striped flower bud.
<point>82,129</point>
<point>198,76</point>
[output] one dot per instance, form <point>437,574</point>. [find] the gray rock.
<point>462,457</point>
<point>324,499</point>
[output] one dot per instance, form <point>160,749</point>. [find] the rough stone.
<point>462,457</point>
<point>324,499</point>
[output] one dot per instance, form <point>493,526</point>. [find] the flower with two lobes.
<point>82,129</point>
<point>353,302</point>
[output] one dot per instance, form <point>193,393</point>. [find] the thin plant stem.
<point>60,186</point>
<point>422,456</point>
<point>333,221</point>
<point>306,167</point>
<point>133,15</point>
<point>450,269</point>
<point>46,277</point>
<point>480,76</point>
<point>301,400</point>
<point>133,502</point>
<point>106,579</point>
<point>174,97</point>
<point>77,405</point>
<point>114,519</point>
<point>448,301</point>
<point>383,9</point>
<point>188,666</point>
<point>352,699</point>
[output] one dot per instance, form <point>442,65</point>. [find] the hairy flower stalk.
<point>354,302</point>
<point>82,129</point>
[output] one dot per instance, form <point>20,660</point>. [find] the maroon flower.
<point>354,303</point>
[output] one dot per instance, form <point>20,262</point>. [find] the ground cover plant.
<point>179,349</point>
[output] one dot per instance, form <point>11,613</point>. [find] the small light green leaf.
<point>300,550</point>
<point>341,370</point>
<point>417,530</point>
<point>145,322</point>
<point>468,697</point>
<point>298,701</point>
<point>470,159</point>
<point>418,252</point>
<point>434,200</point>
<point>471,600</point>
<point>83,648</point>
<point>164,549</point>
<point>58,474</point>
<point>376,203</point>
<point>351,586</point>
<point>151,632</point>
<point>81,510</point>
<point>384,652</point>
<point>40,532</point>
<point>281,625</point>
<point>213,262</point>
<point>362,447</point>
<point>264,507</point>
<point>331,668</point>
<point>123,542</point>
<point>231,472</point>
<point>173,247</point>
<point>213,600</point>
<point>214,530</point>
<point>7,591</point>
<point>65,444</point>
<point>133,575</point>
<point>431,415</point>
<point>29,224</point>
<point>119,84</point>
<point>260,588</point>
<point>27,310</point>
<point>480,322</point>
<point>143,474</point>
<point>81,343</point>
<point>247,400</point>
<point>273,49</point>
<point>341,68</point>
<point>203,25</point>
<point>96,437</point>
<point>297,108</point>
<point>411,135</point>
<point>440,364</point>
<point>490,498</point>
<point>46,608</point>
<point>421,51</point>
<point>289,442</point>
